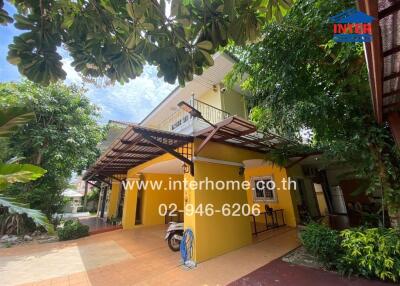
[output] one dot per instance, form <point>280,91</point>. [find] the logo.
<point>352,26</point>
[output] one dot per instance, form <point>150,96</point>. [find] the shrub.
<point>373,252</point>
<point>323,243</point>
<point>73,229</point>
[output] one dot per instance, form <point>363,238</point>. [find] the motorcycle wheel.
<point>173,244</point>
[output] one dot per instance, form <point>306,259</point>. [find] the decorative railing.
<point>181,118</point>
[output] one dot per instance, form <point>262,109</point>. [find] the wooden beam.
<point>105,182</point>
<point>113,177</point>
<point>116,164</point>
<point>121,166</point>
<point>133,142</point>
<point>394,123</point>
<point>307,154</point>
<point>109,173</point>
<point>391,51</point>
<point>296,161</point>
<point>374,57</point>
<point>113,171</point>
<point>205,141</point>
<point>167,149</point>
<point>94,185</point>
<point>164,134</point>
<point>138,152</point>
<point>394,92</point>
<point>391,105</point>
<point>122,160</point>
<point>96,170</point>
<point>389,10</point>
<point>392,76</point>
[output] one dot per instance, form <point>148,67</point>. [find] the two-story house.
<point>200,133</point>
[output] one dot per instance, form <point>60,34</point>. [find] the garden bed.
<point>371,253</point>
<point>9,240</point>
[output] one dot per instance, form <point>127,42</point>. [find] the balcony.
<point>183,122</point>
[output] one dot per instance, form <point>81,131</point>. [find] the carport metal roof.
<point>138,144</point>
<point>135,146</point>
<point>240,133</point>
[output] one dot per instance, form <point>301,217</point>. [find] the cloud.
<point>128,102</point>
<point>8,72</point>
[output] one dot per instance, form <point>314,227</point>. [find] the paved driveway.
<point>280,273</point>
<point>135,257</point>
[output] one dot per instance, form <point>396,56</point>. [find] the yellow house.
<point>180,159</point>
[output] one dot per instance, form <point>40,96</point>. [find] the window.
<point>264,189</point>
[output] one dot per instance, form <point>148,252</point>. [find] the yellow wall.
<point>285,198</point>
<point>233,102</point>
<point>217,234</point>
<point>226,232</point>
<point>152,198</point>
<point>226,152</point>
<point>130,201</point>
<point>129,211</point>
<point>113,199</point>
<point>211,97</point>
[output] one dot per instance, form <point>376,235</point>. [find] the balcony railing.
<point>181,118</point>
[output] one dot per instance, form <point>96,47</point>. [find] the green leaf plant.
<point>300,81</point>
<point>113,39</point>
<point>11,173</point>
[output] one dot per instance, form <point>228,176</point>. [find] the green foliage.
<point>301,80</point>
<point>19,173</point>
<point>15,207</point>
<point>4,17</point>
<point>11,172</point>
<point>73,229</point>
<point>372,253</point>
<point>94,195</point>
<point>322,242</point>
<point>115,38</point>
<point>11,118</point>
<point>62,138</point>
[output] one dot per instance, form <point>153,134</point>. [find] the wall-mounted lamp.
<point>186,168</point>
<point>241,171</point>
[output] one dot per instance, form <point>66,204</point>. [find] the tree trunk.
<point>85,196</point>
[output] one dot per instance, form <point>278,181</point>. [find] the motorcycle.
<point>174,235</point>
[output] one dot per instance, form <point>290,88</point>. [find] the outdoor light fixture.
<point>186,168</point>
<point>189,109</point>
<point>193,111</point>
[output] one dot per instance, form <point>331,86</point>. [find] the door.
<point>139,203</point>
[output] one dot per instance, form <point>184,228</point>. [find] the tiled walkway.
<point>98,225</point>
<point>136,257</point>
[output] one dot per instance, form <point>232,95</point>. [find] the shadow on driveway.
<point>282,273</point>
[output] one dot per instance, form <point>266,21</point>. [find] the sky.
<point>129,102</point>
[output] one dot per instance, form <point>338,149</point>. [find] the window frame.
<point>264,199</point>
